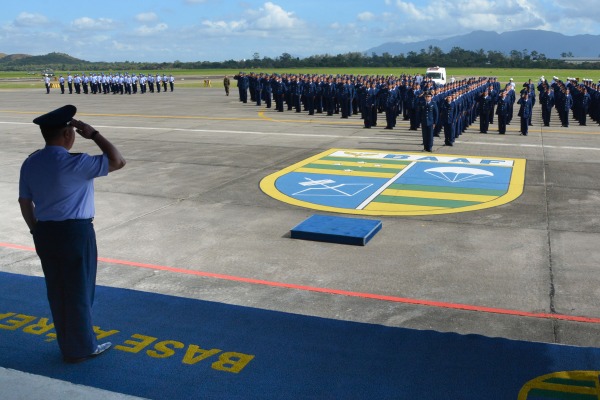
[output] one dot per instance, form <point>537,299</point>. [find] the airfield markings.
<point>397,183</point>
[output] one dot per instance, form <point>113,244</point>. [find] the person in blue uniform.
<point>77,82</point>
<point>390,101</point>
<point>584,100</point>
<point>567,106</point>
<point>242,84</point>
<point>370,104</point>
<point>524,112</point>
<point>547,103</point>
<point>279,90</point>
<point>258,88</point>
<point>502,112</point>
<point>47,83</point>
<point>428,114</point>
<point>158,81</point>
<point>485,103</point>
<point>61,82</point>
<point>447,116</point>
<point>70,83</point>
<point>267,92</point>
<point>56,197</point>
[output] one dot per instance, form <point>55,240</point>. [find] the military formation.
<point>435,109</point>
<point>118,83</point>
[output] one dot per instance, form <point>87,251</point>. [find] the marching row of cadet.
<point>433,108</point>
<point>112,83</point>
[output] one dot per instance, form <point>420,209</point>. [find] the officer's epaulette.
<point>75,154</point>
<point>33,153</point>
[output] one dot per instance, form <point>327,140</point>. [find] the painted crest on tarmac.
<point>382,183</point>
<point>563,385</point>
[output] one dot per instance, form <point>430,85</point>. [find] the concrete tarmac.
<point>189,198</point>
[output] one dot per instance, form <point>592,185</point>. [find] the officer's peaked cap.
<point>57,118</point>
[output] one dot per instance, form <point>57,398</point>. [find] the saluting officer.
<point>547,103</point>
<point>502,113</point>
<point>447,115</point>
<point>56,197</point>
<point>524,112</point>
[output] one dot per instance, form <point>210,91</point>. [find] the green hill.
<point>51,60</point>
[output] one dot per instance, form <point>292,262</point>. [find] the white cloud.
<point>271,17</point>
<point>223,27</point>
<point>27,19</point>
<point>146,17</point>
<point>409,9</point>
<point>146,30</point>
<point>257,23</point>
<point>366,16</point>
<point>430,19</point>
<point>121,46</point>
<point>90,24</point>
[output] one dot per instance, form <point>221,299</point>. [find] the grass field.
<point>195,78</point>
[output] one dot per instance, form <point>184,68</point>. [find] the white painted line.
<point>387,184</point>
<point>532,145</point>
<point>417,138</point>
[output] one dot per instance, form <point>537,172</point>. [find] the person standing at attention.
<point>47,83</point>
<point>428,115</point>
<point>524,112</point>
<point>226,84</point>
<point>56,197</point>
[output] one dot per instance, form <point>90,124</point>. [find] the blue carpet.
<point>176,348</point>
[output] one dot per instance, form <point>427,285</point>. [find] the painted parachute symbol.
<point>458,174</point>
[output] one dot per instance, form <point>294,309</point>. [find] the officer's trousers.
<point>67,250</point>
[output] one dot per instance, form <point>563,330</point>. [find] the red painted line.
<point>394,299</point>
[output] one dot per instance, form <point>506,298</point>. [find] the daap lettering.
<point>229,361</point>
<point>446,159</point>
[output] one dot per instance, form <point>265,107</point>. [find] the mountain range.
<point>551,44</point>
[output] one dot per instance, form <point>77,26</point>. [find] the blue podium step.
<point>344,230</point>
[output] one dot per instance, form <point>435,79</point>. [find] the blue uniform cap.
<point>57,118</point>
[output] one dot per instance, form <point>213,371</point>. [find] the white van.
<point>437,74</point>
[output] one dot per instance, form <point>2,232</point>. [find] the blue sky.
<point>207,30</point>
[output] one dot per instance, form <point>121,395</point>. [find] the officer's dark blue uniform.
<point>429,114</point>
<point>484,106</point>
<point>524,112</point>
<point>502,112</point>
<point>447,118</point>
<point>56,195</point>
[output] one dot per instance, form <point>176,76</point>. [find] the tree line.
<point>456,57</point>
